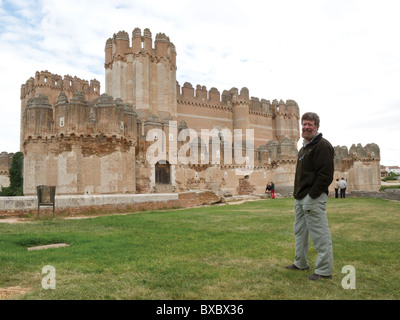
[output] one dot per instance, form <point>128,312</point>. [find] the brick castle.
<point>86,143</point>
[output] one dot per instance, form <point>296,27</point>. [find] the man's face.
<point>309,130</point>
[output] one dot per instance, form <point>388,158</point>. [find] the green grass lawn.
<point>216,252</point>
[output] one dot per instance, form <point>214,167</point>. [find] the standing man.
<point>314,174</point>
<point>337,188</point>
<point>343,186</point>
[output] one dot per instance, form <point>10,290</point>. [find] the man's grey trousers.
<point>311,219</point>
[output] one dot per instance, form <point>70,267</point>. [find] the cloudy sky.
<point>339,58</point>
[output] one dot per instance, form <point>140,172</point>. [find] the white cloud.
<point>339,58</point>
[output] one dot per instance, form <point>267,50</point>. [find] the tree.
<point>391,176</point>
<point>16,179</point>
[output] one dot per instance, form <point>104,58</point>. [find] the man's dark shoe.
<point>293,267</point>
<point>315,276</point>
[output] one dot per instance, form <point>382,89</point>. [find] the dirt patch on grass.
<point>48,246</point>
<point>13,220</point>
<point>10,292</point>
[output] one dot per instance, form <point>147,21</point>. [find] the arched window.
<point>163,175</point>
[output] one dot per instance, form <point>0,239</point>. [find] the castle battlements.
<point>104,116</point>
<point>213,99</point>
<point>45,79</point>
<point>120,48</point>
<point>51,85</point>
<point>369,152</point>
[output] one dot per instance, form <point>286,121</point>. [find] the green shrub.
<point>383,188</point>
<point>16,180</point>
<point>391,176</point>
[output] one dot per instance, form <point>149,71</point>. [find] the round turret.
<point>240,107</point>
<point>38,117</point>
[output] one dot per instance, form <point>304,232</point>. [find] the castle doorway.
<point>163,172</point>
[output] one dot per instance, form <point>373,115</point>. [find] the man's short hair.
<point>312,116</point>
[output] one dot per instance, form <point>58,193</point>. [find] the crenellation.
<point>214,95</point>
<point>292,108</point>
<point>187,91</point>
<point>201,93</point>
<point>280,108</point>
<point>122,35</point>
<point>121,43</point>
<point>147,40</point>
<point>266,105</point>
<point>226,98</point>
<point>136,40</point>
<point>162,45</point>
<point>94,87</point>
<point>262,108</point>
<point>244,94</point>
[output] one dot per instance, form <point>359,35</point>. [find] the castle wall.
<point>365,176</point>
<point>262,126</point>
<point>359,166</point>
<point>199,117</point>
<point>201,109</point>
<point>77,166</point>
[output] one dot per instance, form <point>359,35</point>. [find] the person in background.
<point>337,188</point>
<point>343,186</point>
<point>268,188</point>
<point>272,190</point>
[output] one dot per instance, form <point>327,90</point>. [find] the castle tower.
<point>142,75</point>
<point>78,113</point>
<point>281,129</point>
<point>38,117</point>
<point>110,115</point>
<point>51,85</point>
<point>60,113</point>
<point>240,109</point>
<point>129,122</point>
<point>293,114</point>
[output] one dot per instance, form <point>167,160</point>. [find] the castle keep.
<point>86,143</point>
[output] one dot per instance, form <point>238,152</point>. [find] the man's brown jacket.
<point>314,170</point>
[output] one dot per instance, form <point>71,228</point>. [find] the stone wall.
<point>14,206</point>
<point>388,194</point>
